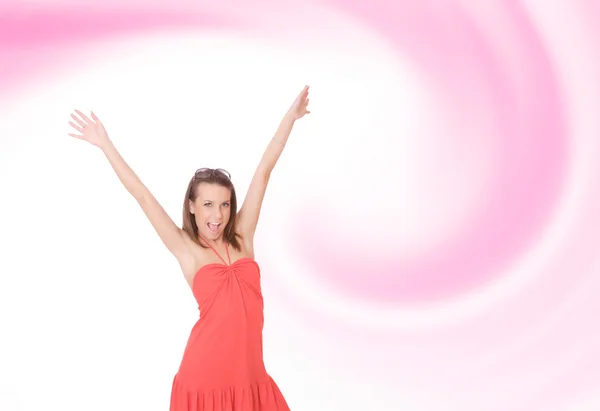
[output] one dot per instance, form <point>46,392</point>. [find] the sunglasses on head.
<point>209,172</point>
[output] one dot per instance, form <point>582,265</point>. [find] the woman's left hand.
<point>300,106</point>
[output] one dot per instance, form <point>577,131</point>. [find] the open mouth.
<point>214,227</point>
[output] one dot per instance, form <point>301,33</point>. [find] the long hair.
<point>212,176</point>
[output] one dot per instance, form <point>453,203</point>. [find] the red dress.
<point>222,367</point>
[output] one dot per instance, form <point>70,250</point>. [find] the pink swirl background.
<point>497,307</point>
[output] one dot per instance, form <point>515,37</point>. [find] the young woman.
<point>222,367</point>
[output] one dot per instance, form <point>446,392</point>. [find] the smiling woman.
<point>222,367</point>
<point>210,207</point>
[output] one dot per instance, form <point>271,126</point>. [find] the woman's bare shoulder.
<point>192,257</point>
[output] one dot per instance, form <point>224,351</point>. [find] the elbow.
<point>265,172</point>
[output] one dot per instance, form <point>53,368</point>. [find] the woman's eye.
<point>226,205</point>
<point>207,204</point>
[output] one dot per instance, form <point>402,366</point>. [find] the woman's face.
<point>211,209</point>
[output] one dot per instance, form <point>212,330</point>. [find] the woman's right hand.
<point>91,131</point>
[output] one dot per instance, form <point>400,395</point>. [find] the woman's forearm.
<point>284,130</point>
<point>127,176</point>
<point>277,144</point>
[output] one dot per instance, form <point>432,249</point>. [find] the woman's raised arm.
<point>93,131</point>
<point>250,210</point>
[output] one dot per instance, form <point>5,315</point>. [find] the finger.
<point>83,116</point>
<point>76,127</point>
<point>76,136</point>
<point>78,120</point>
<point>95,118</point>
<point>304,92</point>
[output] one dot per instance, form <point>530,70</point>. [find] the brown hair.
<point>211,176</point>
